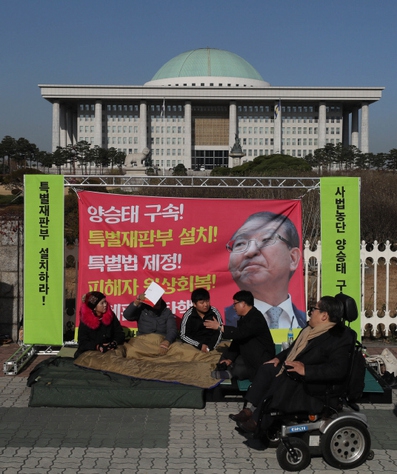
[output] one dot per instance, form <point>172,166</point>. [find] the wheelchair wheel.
<point>371,455</point>
<point>287,461</point>
<point>273,439</point>
<point>346,444</point>
<point>272,436</point>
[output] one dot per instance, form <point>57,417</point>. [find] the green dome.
<point>208,63</point>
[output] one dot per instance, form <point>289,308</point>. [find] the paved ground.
<point>121,441</point>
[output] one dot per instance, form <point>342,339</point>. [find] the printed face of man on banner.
<point>264,254</point>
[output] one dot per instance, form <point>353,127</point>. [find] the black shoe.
<point>248,426</point>
<point>221,374</point>
<point>244,415</point>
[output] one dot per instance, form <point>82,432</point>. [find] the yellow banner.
<point>44,260</point>
<point>340,239</point>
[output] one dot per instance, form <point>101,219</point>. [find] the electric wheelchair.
<point>340,435</point>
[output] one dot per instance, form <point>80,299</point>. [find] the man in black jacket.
<point>252,344</point>
<point>297,378</point>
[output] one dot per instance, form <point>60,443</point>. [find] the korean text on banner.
<point>340,238</point>
<point>44,260</point>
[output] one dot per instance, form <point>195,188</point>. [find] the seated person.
<point>193,330</point>
<point>99,328</point>
<point>153,320</point>
<point>252,344</point>
<point>295,381</point>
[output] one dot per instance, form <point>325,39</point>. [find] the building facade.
<point>196,104</point>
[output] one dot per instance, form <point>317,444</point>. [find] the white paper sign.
<point>154,292</point>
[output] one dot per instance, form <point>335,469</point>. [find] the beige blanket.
<point>140,358</point>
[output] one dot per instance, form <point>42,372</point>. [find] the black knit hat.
<point>93,298</point>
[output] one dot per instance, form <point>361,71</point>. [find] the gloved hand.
<point>102,348</point>
<point>112,345</point>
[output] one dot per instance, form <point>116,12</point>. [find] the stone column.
<point>98,124</point>
<point>74,131</point>
<point>322,121</point>
<point>354,139</point>
<point>188,134</point>
<point>277,128</point>
<point>62,126</point>
<point>69,126</point>
<point>142,138</point>
<point>55,125</point>
<point>364,128</point>
<point>232,123</point>
<point>345,128</point>
<point>233,128</point>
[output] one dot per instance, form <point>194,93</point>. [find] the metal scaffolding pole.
<point>124,181</point>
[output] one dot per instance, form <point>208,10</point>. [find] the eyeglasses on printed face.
<point>240,245</point>
<point>236,302</point>
<point>314,308</point>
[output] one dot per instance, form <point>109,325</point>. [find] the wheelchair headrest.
<point>350,311</point>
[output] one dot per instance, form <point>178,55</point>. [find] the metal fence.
<point>378,286</point>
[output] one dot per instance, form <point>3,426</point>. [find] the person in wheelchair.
<point>296,380</point>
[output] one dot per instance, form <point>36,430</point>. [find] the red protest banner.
<point>126,242</point>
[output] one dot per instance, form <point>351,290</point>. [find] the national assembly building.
<point>198,103</point>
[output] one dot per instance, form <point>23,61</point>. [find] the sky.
<point>124,42</point>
